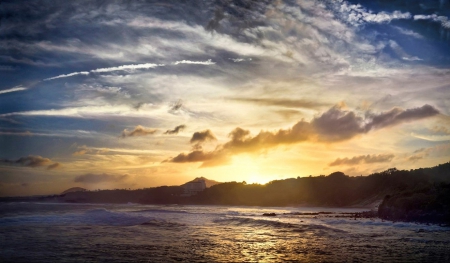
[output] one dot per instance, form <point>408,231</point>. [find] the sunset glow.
<point>132,96</point>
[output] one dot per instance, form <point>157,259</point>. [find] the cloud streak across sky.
<point>18,88</point>
<point>128,67</point>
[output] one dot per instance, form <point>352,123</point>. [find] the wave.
<point>161,211</point>
<point>162,223</point>
<point>275,224</point>
<point>99,216</point>
<point>252,222</point>
<point>379,222</point>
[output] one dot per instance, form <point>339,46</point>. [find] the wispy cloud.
<point>111,69</point>
<point>82,150</point>
<point>17,88</point>
<point>445,22</point>
<point>25,133</point>
<point>107,110</point>
<point>128,67</point>
<point>380,158</point>
<point>208,62</point>
<point>176,130</point>
<point>138,131</point>
<point>237,60</point>
<point>68,75</point>
<point>33,161</point>
<point>290,103</point>
<point>431,138</point>
<point>100,178</point>
<point>357,14</point>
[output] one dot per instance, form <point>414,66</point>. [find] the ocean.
<point>62,232</point>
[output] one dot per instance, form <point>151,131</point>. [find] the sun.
<point>259,179</point>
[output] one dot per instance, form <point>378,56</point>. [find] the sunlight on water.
<point>142,233</point>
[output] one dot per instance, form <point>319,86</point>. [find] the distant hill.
<point>74,189</point>
<point>411,195</point>
<point>208,182</point>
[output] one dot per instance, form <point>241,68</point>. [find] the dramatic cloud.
<point>338,125</point>
<point>397,116</point>
<point>33,161</point>
<point>266,72</point>
<point>334,125</point>
<point>100,178</point>
<point>138,131</point>
<point>176,130</point>
<point>380,158</point>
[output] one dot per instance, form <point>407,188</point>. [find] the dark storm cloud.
<point>380,158</point>
<point>397,115</point>
<point>282,102</point>
<point>138,131</point>
<point>338,125</point>
<point>100,178</point>
<point>332,126</point>
<point>202,136</point>
<point>176,130</point>
<point>194,156</point>
<point>33,161</point>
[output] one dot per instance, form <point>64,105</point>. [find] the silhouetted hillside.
<point>74,189</point>
<point>336,189</point>
<point>208,182</point>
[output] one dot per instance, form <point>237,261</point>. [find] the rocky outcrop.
<point>428,204</point>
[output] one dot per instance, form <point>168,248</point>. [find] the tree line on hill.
<point>334,190</point>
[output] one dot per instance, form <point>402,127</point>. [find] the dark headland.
<point>419,195</point>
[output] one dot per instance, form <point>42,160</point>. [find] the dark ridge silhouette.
<point>74,189</point>
<point>415,195</point>
<point>208,182</point>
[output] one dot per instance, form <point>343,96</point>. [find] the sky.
<point>136,94</point>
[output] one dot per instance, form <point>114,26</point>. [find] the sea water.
<point>61,232</point>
